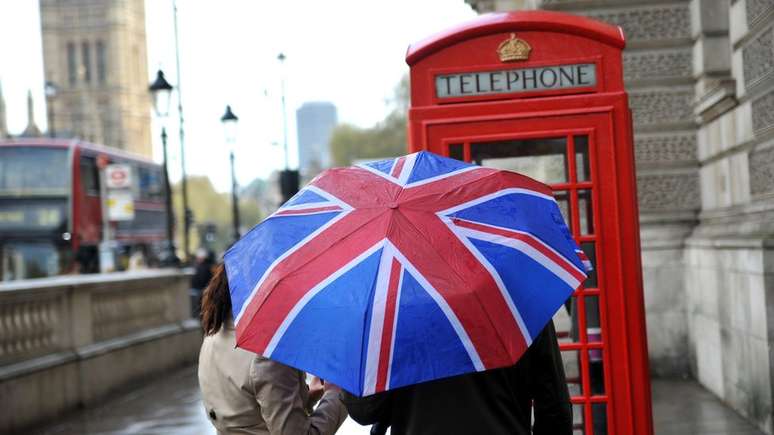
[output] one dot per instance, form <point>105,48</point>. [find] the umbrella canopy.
<point>403,271</point>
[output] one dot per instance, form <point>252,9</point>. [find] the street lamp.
<point>187,214</point>
<point>281,57</point>
<point>229,121</point>
<point>288,179</point>
<point>161,91</point>
<point>51,90</point>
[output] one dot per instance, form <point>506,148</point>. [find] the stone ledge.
<point>89,279</point>
<point>727,242</point>
<point>93,350</point>
<point>716,101</point>
<point>36,364</point>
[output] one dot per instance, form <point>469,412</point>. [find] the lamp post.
<point>51,90</point>
<point>281,57</point>
<point>229,121</point>
<point>288,178</point>
<point>187,214</point>
<point>161,91</point>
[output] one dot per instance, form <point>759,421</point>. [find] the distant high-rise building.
<point>3,126</point>
<point>315,122</point>
<point>95,53</point>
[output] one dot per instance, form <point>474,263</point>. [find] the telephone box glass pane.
<point>596,372</point>
<point>599,415</point>
<point>582,168</point>
<point>593,330</point>
<point>585,212</point>
<point>571,360</point>
<point>542,159</point>
<point>457,151</point>
<point>591,251</point>
<point>563,322</point>
<point>563,199</point>
<point>577,420</point>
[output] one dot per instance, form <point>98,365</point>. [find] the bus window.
<point>33,170</point>
<point>25,260</point>
<point>151,183</point>
<point>89,176</point>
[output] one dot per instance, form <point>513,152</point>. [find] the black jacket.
<point>493,402</point>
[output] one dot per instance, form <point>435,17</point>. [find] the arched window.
<point>101,62</point>
<point>86,61</point>
<point>72,64</point>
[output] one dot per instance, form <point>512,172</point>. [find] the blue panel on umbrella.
<point>426,345</point>
<point>249,258</point>
<point>305,197</point>
<point>535,290</point>
<point>429,165</point>
<point>320,339</point>
<point>384,166</point>
<point>527,213</point>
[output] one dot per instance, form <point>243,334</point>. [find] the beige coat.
<point>245,393</point>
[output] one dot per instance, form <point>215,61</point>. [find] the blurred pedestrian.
<point>244,393</point>
<point>137,261</point>
<point>493,402</point>
<point>204,265</point>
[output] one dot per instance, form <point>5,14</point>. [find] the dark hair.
<point>216,302</point>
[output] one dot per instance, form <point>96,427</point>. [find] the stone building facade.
<point>94,51</point>
<point>700,77</point>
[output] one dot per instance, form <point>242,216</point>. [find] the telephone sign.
<point>516,80</point>
<point>542,93</point>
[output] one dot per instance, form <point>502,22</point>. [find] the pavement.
<point>685,408</point>
<point>171,405</point>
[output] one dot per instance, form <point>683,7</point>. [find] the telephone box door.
<point>558,151</point>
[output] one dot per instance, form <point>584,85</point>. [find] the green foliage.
<point>385,139</point>
<point>210,206</point>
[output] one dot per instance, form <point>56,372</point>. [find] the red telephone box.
<point>542,93</point>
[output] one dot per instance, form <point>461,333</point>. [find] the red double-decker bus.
<point>51,208</point>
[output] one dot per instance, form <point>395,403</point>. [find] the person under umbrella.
<point>501,401</point>
<point>244,393</point>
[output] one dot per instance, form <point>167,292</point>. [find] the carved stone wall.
<point>650,23</point>
<point>665,149</point>
<point>668,192</point>
<point>758,57</point>
<point>756,9</point>
<point>762,171</point>
<point>763,114</point>
<point>657,64</point>
<point>661,106</point>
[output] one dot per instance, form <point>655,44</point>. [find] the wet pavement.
<point>172,406</point>
<point>685,408</point>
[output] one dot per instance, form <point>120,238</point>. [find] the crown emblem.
<point>513,49</point>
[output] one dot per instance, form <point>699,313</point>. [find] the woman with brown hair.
<point>245,393</point>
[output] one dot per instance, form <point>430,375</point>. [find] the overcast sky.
<point>349,52</point>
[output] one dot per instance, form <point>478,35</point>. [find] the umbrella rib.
<point>309,260</point>
<point>460,277</point>
<point>456,187</point>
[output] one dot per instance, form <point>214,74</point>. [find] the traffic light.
<point>288,180</point>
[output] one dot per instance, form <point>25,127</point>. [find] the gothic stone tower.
<point>94,51</point>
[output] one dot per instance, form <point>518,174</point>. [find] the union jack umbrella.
<point>402,271</point>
